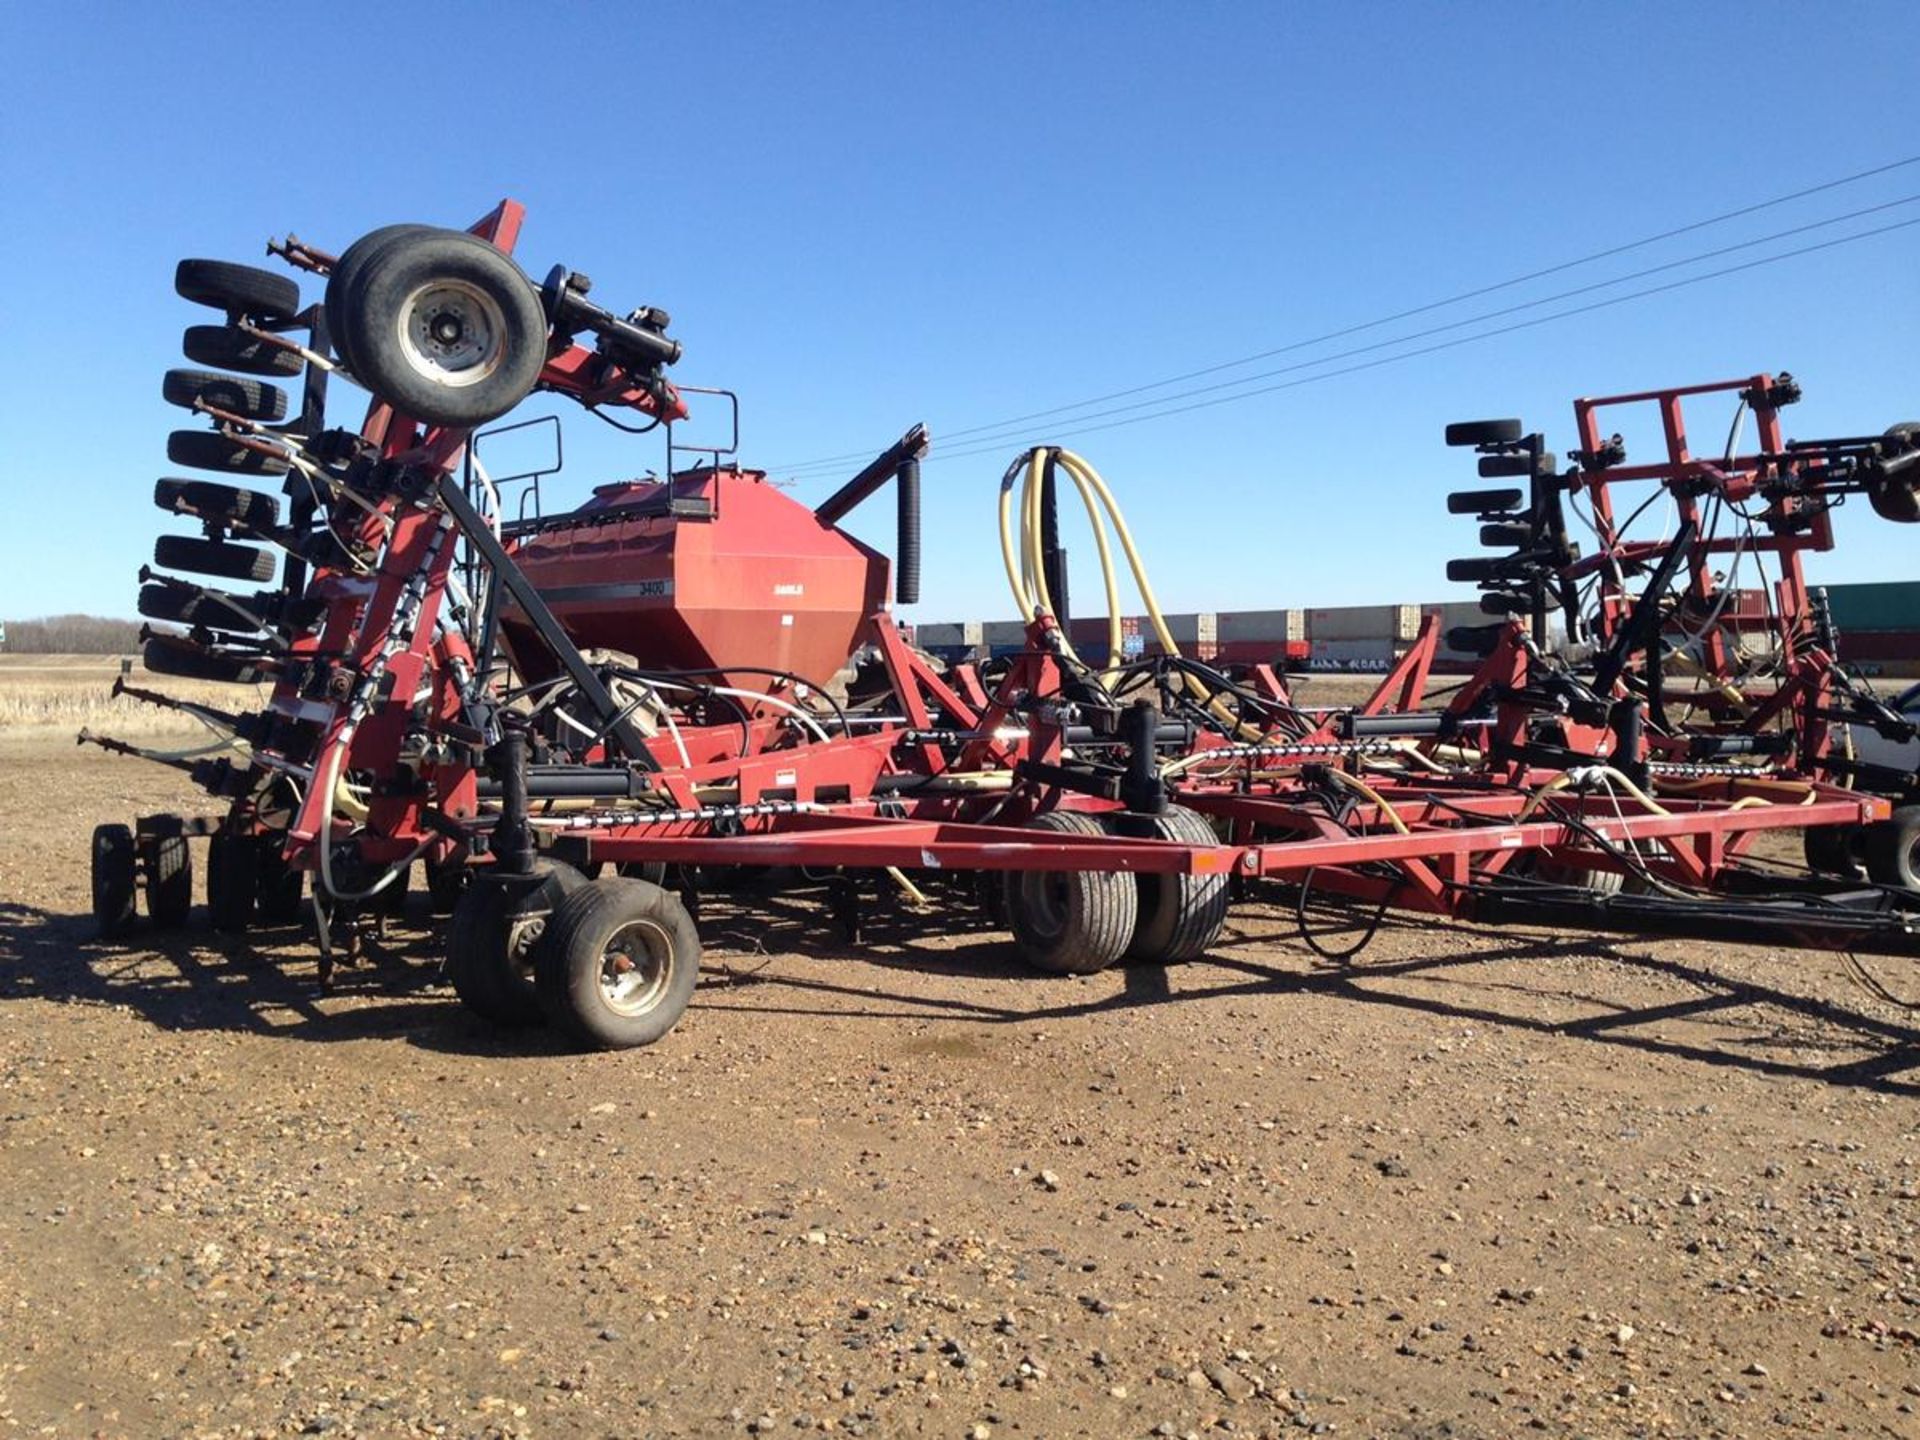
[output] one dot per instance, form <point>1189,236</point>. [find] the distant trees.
<point>71,635</point>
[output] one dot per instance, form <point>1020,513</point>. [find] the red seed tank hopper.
<point>710,566</point>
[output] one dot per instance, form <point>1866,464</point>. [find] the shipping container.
<point>953,654</point>
<point>1881,652</point>
<point>1364,622</point>
<point>1356,654</point>
<point>936,635</point>
<point>1197,634</point>
<point>1233,627</point>
<point>1889,605</point>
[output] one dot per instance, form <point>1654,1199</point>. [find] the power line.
<point>1009,429</point>
<point>1565,265</point>
<point>990,446</point>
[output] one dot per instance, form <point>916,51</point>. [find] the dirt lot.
<point>1476,1184</point>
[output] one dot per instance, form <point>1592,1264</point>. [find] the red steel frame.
<point>389,687</point>
<point>1793,526</point>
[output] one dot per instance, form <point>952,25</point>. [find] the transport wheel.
<point>262,294</point>
<point>211,500</point>
<point>227,347</point>
<point>1892,849</point>
<point>446,883</point>
<point>213,557</point>
<point>169,871</point>
<point>192,605</point>
<point>444,326</point>
<point>654,872</point>
<point>1897,499</point>
<point>619,964</point>
<point>346,273</point>
<point>281,886</point>
<point>1836,850</point>
<point>204,450</point>
<point>496,933</point>
<point>233,881</point>
<point>1180,915</point>
<point>1599,882</point>
<point>114,882</point>
<point>168,655</point>
<point>249,399</point>
<point>1483,432</point>
<point>1071,922</point>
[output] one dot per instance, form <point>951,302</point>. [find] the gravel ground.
<point>1477,1184</point>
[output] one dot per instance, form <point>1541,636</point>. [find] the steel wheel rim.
<point>523,937</point>
<point>635,965</point>
<point>1048,900</point>
<point>452,333</point>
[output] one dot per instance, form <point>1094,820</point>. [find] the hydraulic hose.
<point>1027,577</point>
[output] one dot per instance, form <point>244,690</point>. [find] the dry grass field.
<point>47,693</point>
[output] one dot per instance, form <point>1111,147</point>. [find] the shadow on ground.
<point>265,983</point>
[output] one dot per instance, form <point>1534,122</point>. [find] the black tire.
<point>169,870</point>
<point>262,294</point>
<point>114,878</point>
<point>495,939</point>
<point>600,938</point>
<point>1180,915</point>
<point>446,883</point>
<point>204,450</point>
<point>443,326</point>
<point>249,399</point>
<point>169,655</point>
<point>1482,502</point>
<point>233,882</point>
<point>210,500</point>
<point>654,872</point>
<point>282,887</point>
<point>1597,882</point>
<point>227,347</point>
<point>1897,499</point>
<point>1483,432</point>
<point>213,557</point>
<point>348,270</point>
<point>213,609</point>
<point>1836,850</point>
<point>1892,849</point>
<point>1071,922</point>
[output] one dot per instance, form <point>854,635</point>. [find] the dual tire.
<point>439,323</point>
<point>121,860</point>
<point>245,877</point>
<point>1076,922</point>
<point>611,963</point>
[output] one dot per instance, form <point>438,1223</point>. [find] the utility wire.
<point>1072,429</point>
<point>1008,430</point>
<point>1556,269</point>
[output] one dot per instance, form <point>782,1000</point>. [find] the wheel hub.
<point>634,967</point>
<point>452,333</point>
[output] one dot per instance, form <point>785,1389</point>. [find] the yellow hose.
<point>1354,783</point>
<point>1027,579</point>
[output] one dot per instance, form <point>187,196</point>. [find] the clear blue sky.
<point>866,215</point>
